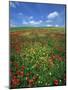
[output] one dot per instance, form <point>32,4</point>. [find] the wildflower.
<point>31,82</point>
<point>15,81</point>
<point>23,67</point>
<point>20,73</point>
<point>56,82</point>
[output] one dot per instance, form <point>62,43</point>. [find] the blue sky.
<point>36,15</point>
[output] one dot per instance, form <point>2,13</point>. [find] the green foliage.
<point>40,56</point>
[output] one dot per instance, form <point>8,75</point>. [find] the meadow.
<point>37,57</point>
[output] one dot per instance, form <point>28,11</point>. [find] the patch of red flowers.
<point>20,73</point>
<point>31,81</point>
<point>56,82</point>
<point>15,81</point>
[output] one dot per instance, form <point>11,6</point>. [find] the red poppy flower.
<point>20,73</point>
<point>56,82</point>
<point>30,82</point>
<point>23,67</point>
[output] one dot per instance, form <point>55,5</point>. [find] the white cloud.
<point>31,22</point>
<point>12,23</point>
<point>49,25</point>
<point>35,22</point>
<point>56,25</point>
<point>12,5</point>
<point>53,15</point>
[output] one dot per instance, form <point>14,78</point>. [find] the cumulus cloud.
<point>53,15</point>
<point>12,5</point>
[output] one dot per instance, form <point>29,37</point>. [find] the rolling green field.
<point>37,57</point>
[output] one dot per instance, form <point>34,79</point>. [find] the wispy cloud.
<point>53,15</point>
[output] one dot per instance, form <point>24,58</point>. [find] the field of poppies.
<point>37,57</point>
